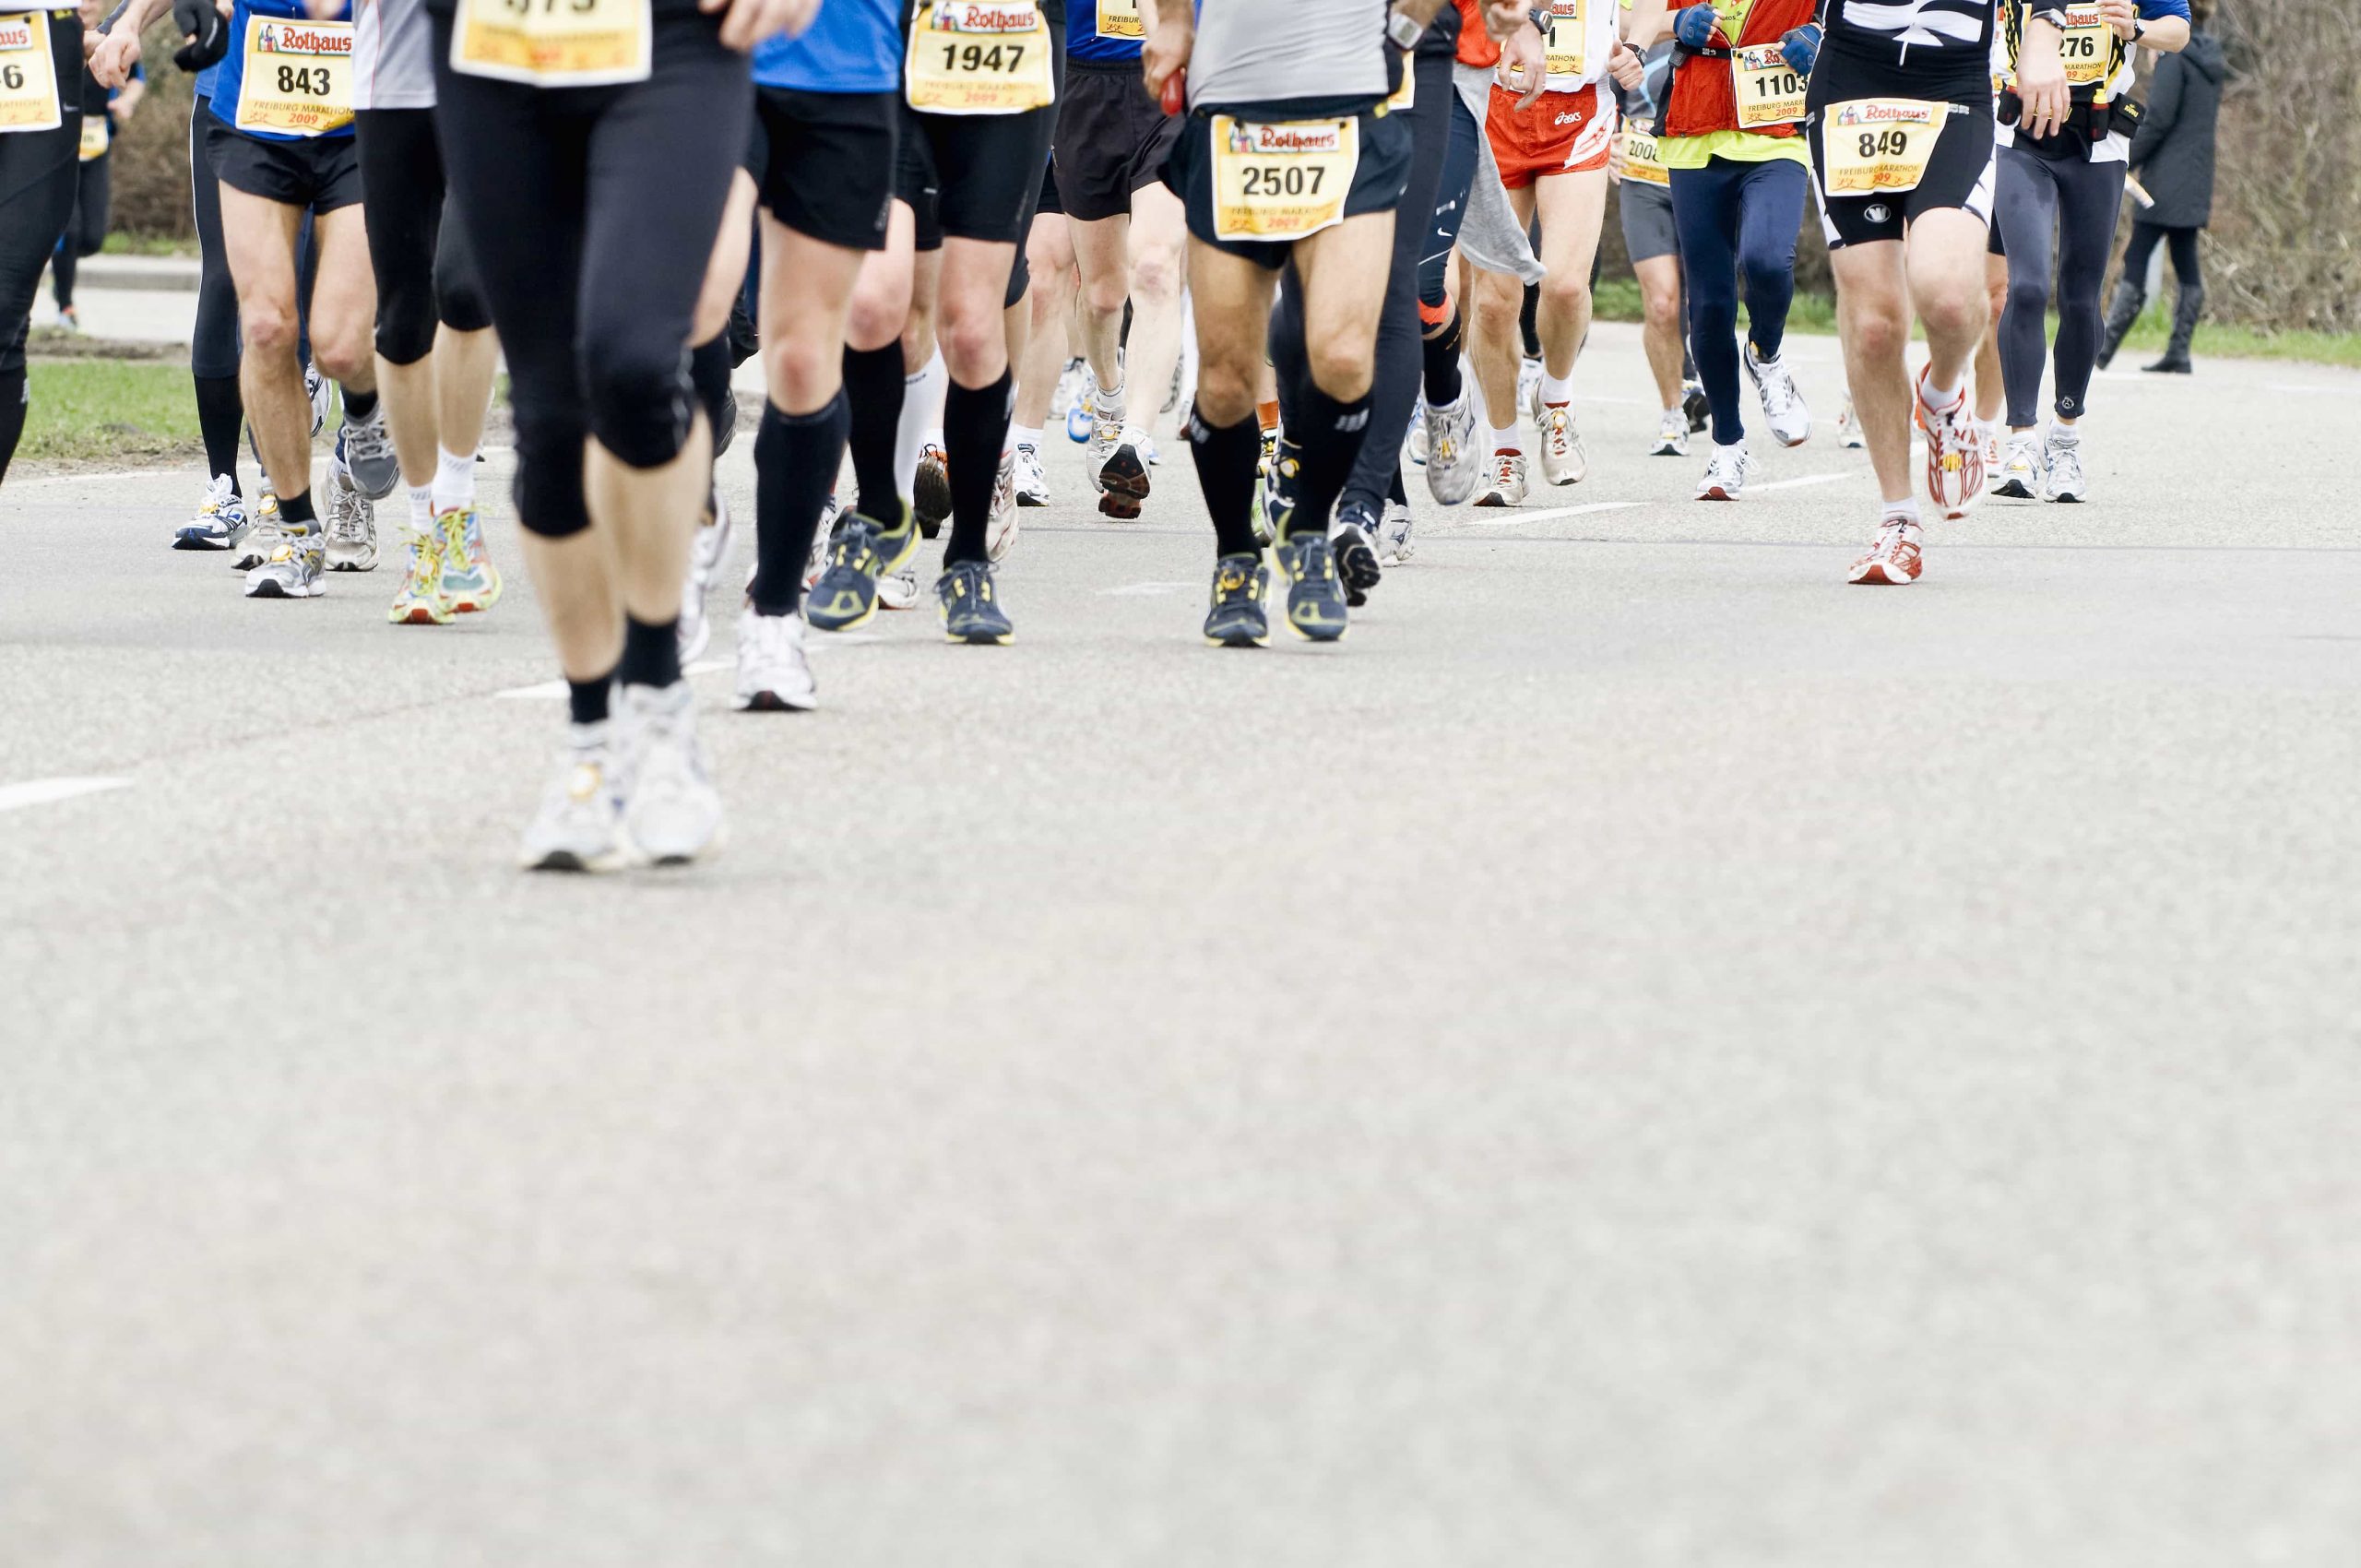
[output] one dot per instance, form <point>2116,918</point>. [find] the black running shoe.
<point>930,493</point>
<point>1123,483</point>
<point>1693,404</point>
<point>1237,618</point>
<point>970,604</point>
<point>1316,609</point>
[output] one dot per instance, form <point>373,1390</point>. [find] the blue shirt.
<point>1083,42</point>
<point>852,47</point>
<point>229,79</point>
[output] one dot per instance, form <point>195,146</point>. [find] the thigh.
<point>1659,277</point>
<point>258,240</point>
<point>1707,223</point>
<point>344,288</point>
<point>401,189</point>
<point>1101,246</point>
<point>2183,254</point>
<point>2090,196</point>
<point>1344,271</point>
<point>1771,210</point>
<point>807,285</point>
<point>1233,306</point>
<point>988,171</point>
<point>1573,207</point>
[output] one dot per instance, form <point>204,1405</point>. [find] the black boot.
<point>2122,310</point>
<point>2186,310</point>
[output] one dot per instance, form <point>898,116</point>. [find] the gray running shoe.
<point>351,524</point>
<point>580,823</point>
<point>670,809</point>
<point>2063,458</point>
<point>261,536</point>
<point>365,449</point>
<point>1394,544</point>
<point>292,569</point>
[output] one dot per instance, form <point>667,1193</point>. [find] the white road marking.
<point>100,479</point>
<point>1144,590</point>
<point>1513,516</point>
<point>1799,482</point>
<point>41,791</point>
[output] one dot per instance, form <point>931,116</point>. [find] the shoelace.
<point>1778,387</point>
<point>371,440</point>
<point>1504,470</point>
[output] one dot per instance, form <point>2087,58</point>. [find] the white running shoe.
<point>220,521</point>
<point>820,538</point>
<point>1848,428</point>
<point>773,676</point>
<point>1563,460</point>
<point>1079,419</point>
<point>351,523</point>
<point>1783,406</point>
<point>1000,528</point>
<point>899,590</point>
<point>292,570</point>
<point>670,808</point>
<point>1991,433</point>
<point>1454,456</point>
<point>1672,435</point>
<point>1414,444</point>
<point>1528,387</point>
<point>2063,458</point>
<point>1508,485</point>
<point>2021,471</point>
<point>320,391</point>
<point>579,826</point>
<point>1106,428</point>
<point>1726,473</point>
<point>1068,391</point>
<point>1955,454</point>
<point>1894,559</point>
<point>707,549</point>
<point>1394,542</point>
<point>261,536</point>
<point>1032,484</point>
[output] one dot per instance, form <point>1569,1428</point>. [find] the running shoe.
<point>1894,557</point>
<point>2063,458</point>
<point>969,601</point>
<point>773,674</point>
<point>420,601</point>
<point>1563,460</point>
<point>1080,421</point>
<point>1991,433</point>
<point>707,549</point>
<point>672,811</point>
<point>1848,428</point>
<point>1106,432</point>
<point>1695,406</point>
<point>294,568</point>
<point>261,536</point>
<point>1032,484</point>
<point>1414,445</point>
<point>69,319</point>
<point>2021,475</point>
<point>1726,473</point>
<point>365,449</point>
<point>1508,485</point>
<point>350,521</point>
<point>1351,540</point>
<point>899,589</point>
<point>1068,391</point>
<point>1123,479</point>
<point>1238,618</point>
<point>1455,456</point>
<point>1278,487</point>
<point>321,392</point>
<point>470,581</point>
<point>1528,387</point>
<point>823,537</point>
<point>1316,609</point>
<point>845,595</point>
<point>1394,542</point>
<point>930,491</point>
<point>220,519</point>
<point>1783,406</point>
<point>1000,526</point>
<point>1955,454</point>
<point>1672,435</point>
<point>579,826</point>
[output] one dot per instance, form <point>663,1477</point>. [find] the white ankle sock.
<point>454,480</point>
<point>1556,388</point>
<point>1505,440</point>
<point>421,508</point>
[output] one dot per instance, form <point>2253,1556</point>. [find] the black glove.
<point>198,19</point>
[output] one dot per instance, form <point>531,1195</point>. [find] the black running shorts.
<point>320,173</point>
<point>1960,172</point>
<point>1112,138</point>
<point>825,162</point>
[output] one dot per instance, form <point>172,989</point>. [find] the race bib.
<point>2086,45</point>
<point>94,136</point>
<point>1642,158</point>
<point>1282,182</point>
<point>979,57</point>
<point>28,99</point>
<point>1568,35</point>
<point>1769,91</point>
<point>554,43</point>
<point>1120,19</point>
<point>1879,144</point>
<point>298,77</point>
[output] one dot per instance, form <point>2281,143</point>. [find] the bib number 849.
<point>1885,144</point>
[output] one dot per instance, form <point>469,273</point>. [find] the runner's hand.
<point>751,21</point>
<point>2041,82</point>
<point>1502,17</point>
<point>1165,53</point>
<point>2123,16</point>
<point>113,55</point>
<point>1525,64</point>
<point>1625,65</point>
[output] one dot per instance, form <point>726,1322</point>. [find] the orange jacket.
<point>1475,45</point>
<point>1702,99</point>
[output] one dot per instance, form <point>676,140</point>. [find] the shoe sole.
<point>981,639</point>
<point>1495,500</point>
<point>929,502</point>
<point>272,591</point>
<point>1877,576</point>
<point>2014,489</point>
<point>863,619</point>
<point>1023,500</point>
<point>419,615</point>
<point>1717,493</point>
<point>1123,478</point>
<point>771,702</point>
<point>1319,633</point>
<point>2068,499</point>
<point>474,606</point>
<point>566,860</point>
<point>1357,564</point>
<point>368,566</point>
<point>1238,639</point>
<point>185,541</point>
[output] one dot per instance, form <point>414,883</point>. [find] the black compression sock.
<point>795,462</point>
<point>709,373</point>
<point>1226,456</point>
<point>1528,321</point>
<point>651,653</point>
<point>295,511</point>
<point>220,410</point>
<point>975,423</point>
<point>873,397</point>
<point>585,701</point>
<point>1442,352</point>
<point>1332,445</point>
<point>12,415</point>
<point>359,405</point>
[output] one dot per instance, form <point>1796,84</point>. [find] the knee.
<point>268,328</point>
<point>969,340</point>
<point>641,400</point>
<point>1566,290</point>
<point>1155,276</point>
<point>1104,294</point>
<point>1955,310</point>
<point>1224,392</point>
<point>1767,274</point>
<point>345,357</point>
<point>2026,294</point>
<point>799,372</point>
<point>1876,331</point>
<point>1342,369</point>
<point>405,330</point>
<point>1662,311</point>
<point>1498,302</point>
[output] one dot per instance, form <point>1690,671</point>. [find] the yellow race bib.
<point>1879,144</point>
<point>1282,182</point>
<point>1569,35</point>
<point>979,57</point>
<point>94,135</point>
<point>1642,158</point>
<point>554,43</point>
<point>2086,46</point>
<point>1121,18</point>
<point>28,99</point>
<point>298,77</point>
<point>1769,91</point>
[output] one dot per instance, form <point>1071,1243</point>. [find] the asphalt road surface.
<point>1645,1056</point>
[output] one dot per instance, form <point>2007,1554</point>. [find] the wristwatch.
<point>1539,17</point>
<point>2138,29</point>
<point>1404,30</point>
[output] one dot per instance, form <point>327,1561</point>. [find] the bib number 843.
<point>297,78</point>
